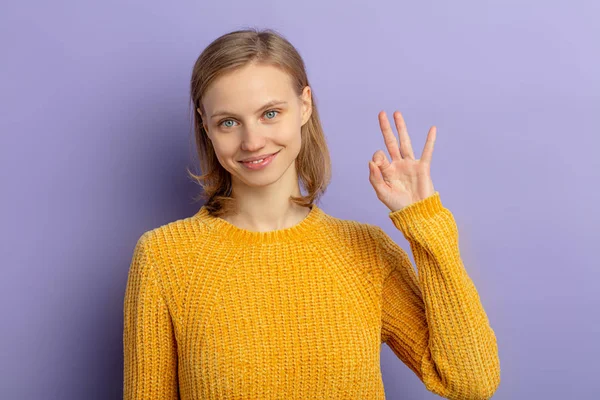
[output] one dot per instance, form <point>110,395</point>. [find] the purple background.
<point>96,135</point>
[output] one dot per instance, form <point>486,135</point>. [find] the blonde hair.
<point>232,51</point>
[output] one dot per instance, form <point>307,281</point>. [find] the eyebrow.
<point>267,105</point>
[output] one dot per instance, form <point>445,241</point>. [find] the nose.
<point>252,139</point>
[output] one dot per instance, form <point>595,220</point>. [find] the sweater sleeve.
<point>149,347</point>
<point>435,322</point>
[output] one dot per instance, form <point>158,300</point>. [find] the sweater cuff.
<point>422,209</point>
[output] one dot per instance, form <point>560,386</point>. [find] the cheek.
<point>223,154</point>
<point>224,148</point>
<point>290,134</point>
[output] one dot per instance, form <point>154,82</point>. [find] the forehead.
<point>248,88</point>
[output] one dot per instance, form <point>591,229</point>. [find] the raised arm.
<point>435,322</point>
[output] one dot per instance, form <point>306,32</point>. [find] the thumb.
<point>380,160</point>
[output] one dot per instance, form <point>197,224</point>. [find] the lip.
<point>259,166</point>
<point>259,157</point>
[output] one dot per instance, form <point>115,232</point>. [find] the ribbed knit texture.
<point>213,311</point>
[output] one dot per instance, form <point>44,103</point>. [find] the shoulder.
<point>172,238</point>
<point>352,232</point>
<point>365,237</point>
<point>358,244</point>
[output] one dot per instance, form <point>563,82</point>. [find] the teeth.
<point>257,161</point>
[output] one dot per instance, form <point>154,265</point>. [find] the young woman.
<point>263,295</point>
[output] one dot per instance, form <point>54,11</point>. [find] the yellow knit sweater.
<point>213,311</point>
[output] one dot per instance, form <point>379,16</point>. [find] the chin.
<point>260,179</point>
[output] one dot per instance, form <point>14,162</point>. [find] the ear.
<point>202,117</point>
<point>306,98</point>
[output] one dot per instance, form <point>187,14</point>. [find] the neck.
<point>268,208</point>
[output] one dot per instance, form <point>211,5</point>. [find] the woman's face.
<point>255,112</point>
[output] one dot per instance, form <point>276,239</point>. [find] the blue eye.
<point>272,111</point>
<point>227,120</point>
<point>222,123</point>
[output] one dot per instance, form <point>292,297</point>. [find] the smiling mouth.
<point>257,161</point>
<point>258,165</point>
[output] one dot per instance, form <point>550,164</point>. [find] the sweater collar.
<point>303,230</point>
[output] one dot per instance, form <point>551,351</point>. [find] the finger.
<point>375,177</point>
<point>380,159</point>
<point>428,149</point>
<point>388,136</point>
<point>405,145</point>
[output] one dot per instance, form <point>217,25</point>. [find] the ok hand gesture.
<point>404,180</point>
